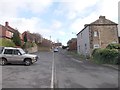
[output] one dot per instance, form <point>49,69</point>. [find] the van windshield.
<point>22,51</point>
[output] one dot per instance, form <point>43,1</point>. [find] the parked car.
<point>16,55</point>
<point>55,49</point>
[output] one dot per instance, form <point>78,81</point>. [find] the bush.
<point>64,47</point>
<point>118,59</point>
<point>113,46</point>
<point>109,56</point>
<point>6,43</point>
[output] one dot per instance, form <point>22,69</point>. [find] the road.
<point>37,75</point>
<point>72,73</point>
<point>59,70</point>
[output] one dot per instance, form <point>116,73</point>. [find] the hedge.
<point>113,46</point>
<point>110,56</point>
<point>6,43</point>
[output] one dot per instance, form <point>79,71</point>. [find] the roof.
<point>5,28</point>
<point>72,40</point>
<point>11,29</point>
<point>82,29</point>
<point>101,21</point>
<point>10,48</point>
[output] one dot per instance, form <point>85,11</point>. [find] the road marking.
<point>77,60</point>
<point>52,76</point>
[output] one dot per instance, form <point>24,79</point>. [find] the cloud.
<point>23,24</point>
<point>109,9</point>
<point>38,6</point>
<point>62,33</point>
<point>11,8</point>
<point>73,8</point>
<point>105,8</point>
<point>79,23</point>
<point>56,24</point>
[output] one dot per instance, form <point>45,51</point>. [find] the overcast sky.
<point>60,19</point>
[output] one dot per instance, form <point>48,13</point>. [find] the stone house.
<point>7,32</point>
<point>97,34</point>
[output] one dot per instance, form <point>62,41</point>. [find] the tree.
<point>25,37</point>
<point>16,38</point>
<point>37,37</point>
<point>25,40</point>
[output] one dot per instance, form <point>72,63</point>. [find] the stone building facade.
<point>98,34</point>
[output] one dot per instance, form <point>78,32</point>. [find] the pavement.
<point>117,67</point>
<point>112,66</point>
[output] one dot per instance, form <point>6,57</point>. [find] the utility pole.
<point>50,43</point>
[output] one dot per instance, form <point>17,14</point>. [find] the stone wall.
<point>106,34</point>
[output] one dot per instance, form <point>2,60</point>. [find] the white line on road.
<point>52,76</point>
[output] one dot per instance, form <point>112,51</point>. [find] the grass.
<point>41,48</point>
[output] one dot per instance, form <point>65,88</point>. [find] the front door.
<point>17,57</point>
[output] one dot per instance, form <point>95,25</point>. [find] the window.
<point>95,33</point>
<point>8,51</point>
<point>85,46</point>
<point>79,48</point>
<point>17,52</point>
<point>96,46</point>
<point>9,34</point>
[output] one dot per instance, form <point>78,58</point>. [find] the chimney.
<point>6,24</point>
<point>102,17</point>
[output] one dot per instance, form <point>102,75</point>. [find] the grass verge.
<point>75,55</point>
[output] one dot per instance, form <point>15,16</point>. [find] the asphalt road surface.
<point>37,75</point>
<point>59,70</point>
<point>72,73</point>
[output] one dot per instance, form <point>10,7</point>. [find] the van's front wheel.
<point>27,62</point>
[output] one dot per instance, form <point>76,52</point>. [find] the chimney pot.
<point>102,17</point>
<point>6,24</point>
